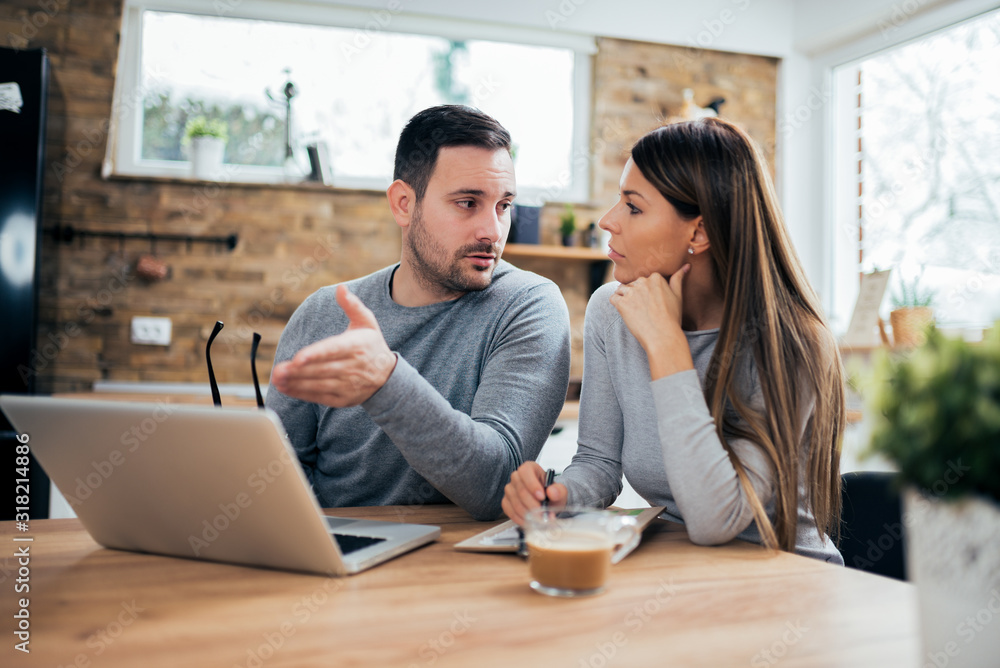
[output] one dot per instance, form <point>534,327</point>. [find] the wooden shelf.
<point>570,411</point>
<point>554,252</point>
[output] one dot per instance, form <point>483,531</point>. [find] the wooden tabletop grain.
<point>670,603</point>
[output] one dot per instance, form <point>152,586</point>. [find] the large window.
<point>358,76</point>
<point>919,171</point>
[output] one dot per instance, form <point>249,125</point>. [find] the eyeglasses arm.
<point>253,369</point>
<point>216,398</point>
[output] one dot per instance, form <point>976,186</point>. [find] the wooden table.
<point>670,603</point>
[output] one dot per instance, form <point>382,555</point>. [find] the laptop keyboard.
<point>348,544</point>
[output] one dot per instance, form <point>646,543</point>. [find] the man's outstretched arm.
<point>468,458</point>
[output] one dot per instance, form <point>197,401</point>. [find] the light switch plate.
<point>149,331</point>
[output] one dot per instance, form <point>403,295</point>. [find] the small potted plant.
<point>207,139</point>
<point>567,226</point>
<point>911,313</point>
<point>936,416</point>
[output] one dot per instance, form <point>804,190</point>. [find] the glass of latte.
<point>571,549</point>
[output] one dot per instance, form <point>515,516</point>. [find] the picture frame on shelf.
<point>319,163</point>
<point>861,333</point>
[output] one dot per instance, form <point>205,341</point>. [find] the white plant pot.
<point>206,158</point>
<point>953,557</point>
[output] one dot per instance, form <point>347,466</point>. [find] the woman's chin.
<point>621,276</point>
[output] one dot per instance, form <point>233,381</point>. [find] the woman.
<point>710,377</point>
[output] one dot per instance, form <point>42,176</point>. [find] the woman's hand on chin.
<point>651,309</point>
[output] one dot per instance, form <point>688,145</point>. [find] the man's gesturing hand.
<point>342,370</point>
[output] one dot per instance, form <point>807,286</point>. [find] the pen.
<point>522,547</point>
<point>549,477</point>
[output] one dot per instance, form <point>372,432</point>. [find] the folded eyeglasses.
<point>216,398</point>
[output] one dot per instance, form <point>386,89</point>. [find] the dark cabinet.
<point>23,89</point>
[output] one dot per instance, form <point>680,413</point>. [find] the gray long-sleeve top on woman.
<point>662,436</point>
<point>478,384</point>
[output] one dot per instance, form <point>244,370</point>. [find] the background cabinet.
<point>24,75</point>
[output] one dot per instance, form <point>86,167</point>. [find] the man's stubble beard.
<point>435,271</point>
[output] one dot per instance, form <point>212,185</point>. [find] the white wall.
<point>822,26</point>
<point>762,27</point>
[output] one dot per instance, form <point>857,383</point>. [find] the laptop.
<point>198,482</point>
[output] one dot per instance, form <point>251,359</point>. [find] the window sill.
<point>276,185</point>
<point>309,186</point>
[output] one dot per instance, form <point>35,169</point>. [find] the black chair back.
<point>871,528</point>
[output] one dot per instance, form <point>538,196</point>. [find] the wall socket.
<point>148,331</point>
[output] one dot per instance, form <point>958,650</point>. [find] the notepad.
<point>504,537</point>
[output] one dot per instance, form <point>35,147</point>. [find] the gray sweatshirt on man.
<point>478,384</point>
<point>662,436</point>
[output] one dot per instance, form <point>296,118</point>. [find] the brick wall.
<point>292,239</point>
<point>638,86</point>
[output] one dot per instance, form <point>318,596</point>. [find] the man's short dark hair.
<point>448,125</point>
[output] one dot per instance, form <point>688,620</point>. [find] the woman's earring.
<point>690,250</point>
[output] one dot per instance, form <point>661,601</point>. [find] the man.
<point>433,379</point>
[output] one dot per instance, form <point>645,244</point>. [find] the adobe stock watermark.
<point>562,12</point>
<point>368,377</point>
<point>94,138</point>
<point>230,511</point>
<point>635,620</point>
<point>900,13</point>
<point>611,131</point>
<point>486,88</point>
<point>713,29</point>
<point>970,627</point>
<point>888,197</point>
<point>697,398</point>
<point>203,195</point>
<point>362,38</point>
<point>225,7</point>
<point>894,533</point>
<point>133,438</point>
<point>915,168</point>
<point>301,612</point>
<point>101,640</point>
<point>660,255</point>
<point>790,636</point>
<point>292,279</point>
<point>971,284</point>
<point>8,568</point>
<point>86,311</point>
<point>793,120</point>
<point>417,500</point>
<point>436,647</point>
<point>32,23</point>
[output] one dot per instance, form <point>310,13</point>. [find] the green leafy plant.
<point>912,295</point>
<point>937,415</point>
<point>567,221</point>
<point>202,127</point>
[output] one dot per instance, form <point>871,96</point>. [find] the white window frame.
<point>122,156</point>
<point>824,165</point>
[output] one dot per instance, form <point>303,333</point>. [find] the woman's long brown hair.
<point>771,316</point>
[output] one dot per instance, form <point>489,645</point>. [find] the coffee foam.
<point>572,541</point>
